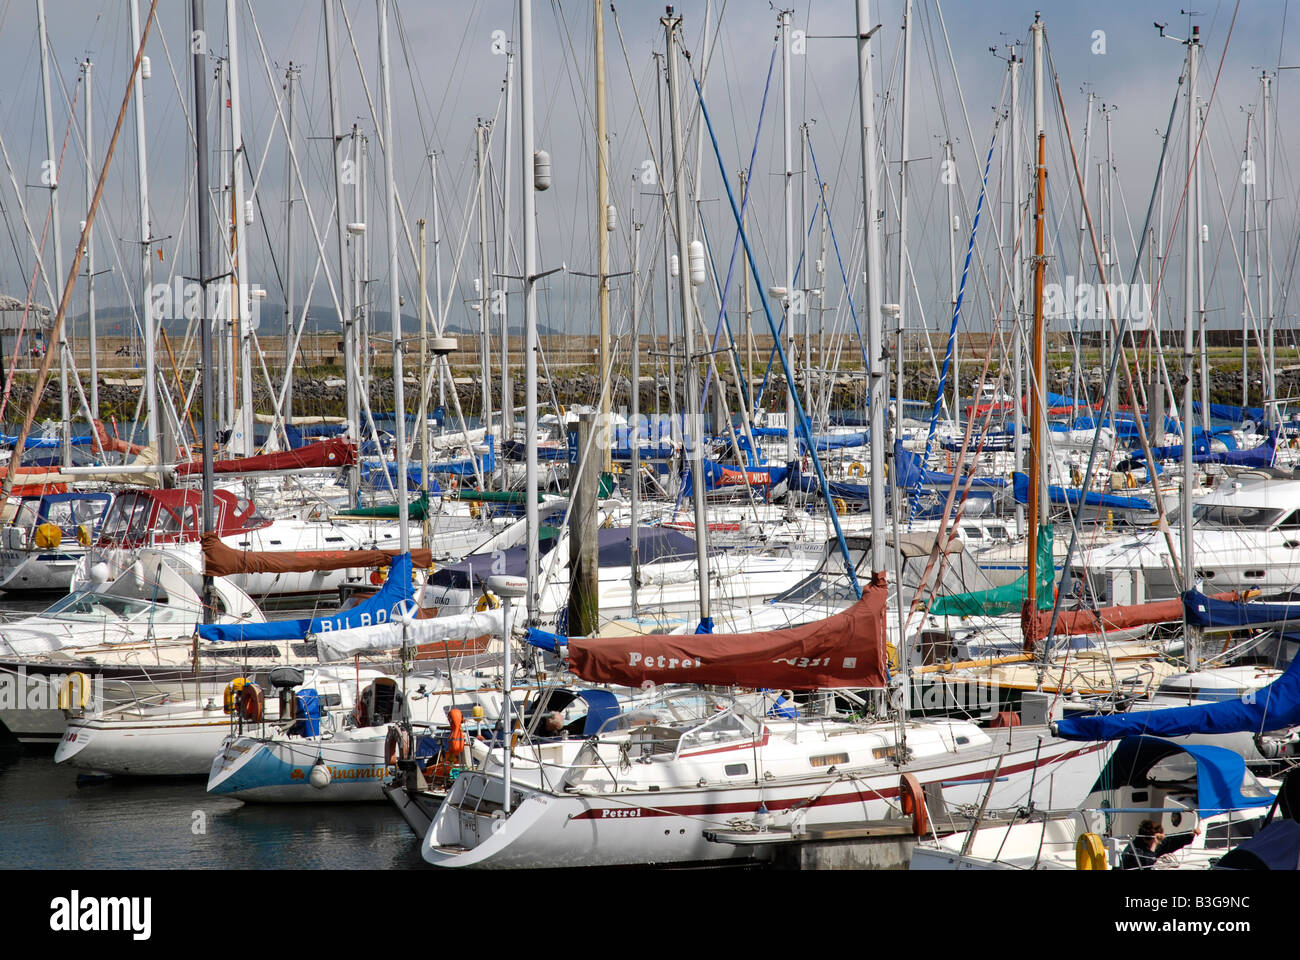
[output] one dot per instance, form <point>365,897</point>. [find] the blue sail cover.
<point>826,441</point>
<point>844,491</point>
<point>1220,772</point>
<point>1211,614</point>
<point>910,472</point>
<point>1070,495</point>
<point>1274,707</point>
<point>1224,411</point>
<point>374,609</point>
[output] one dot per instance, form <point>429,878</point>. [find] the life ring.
<point>840,505</point>
<point>47,536</point>
<point>1132,481</point>
<point>475,510</point>
<point>83,534</point>
<point>252,707</point>
<point>912,800</point>
<point>488,601</point>
<point>397,745</point>
<point>231,698</point>
<point>78,682</point>
<point>1089,853</point>
<point>453,486</point>
<point>857,469</point>
<point>457,731</point>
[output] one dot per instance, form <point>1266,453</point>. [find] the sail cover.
<point>1008,598</point>
<point>220,560</point>
<point>1123,617</point>
<point>1274,707</point>
<point>342,644</point>
<point>845,650</point>
<point>395,594</point>
<point>336,452</point>
<point>1227,612</point>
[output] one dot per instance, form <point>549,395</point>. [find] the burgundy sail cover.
<point>845,650</point>
<point>220,560</point>
<point>335,452</point>
<point>1124,617</point>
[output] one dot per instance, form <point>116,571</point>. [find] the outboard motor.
<point>283,680</point>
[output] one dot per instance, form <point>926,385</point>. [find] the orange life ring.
<point>252,706</point>
<point>912,799</point>
<point>457,731</point>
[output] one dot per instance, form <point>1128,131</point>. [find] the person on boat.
<point>553,726</point>
<point>1150,845</point>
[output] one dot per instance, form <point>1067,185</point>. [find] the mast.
<point>1271,352</point>
<point>204,229</point>
<point>902,221</point>
<point>485,282</point>
<point>746,309</point>
<point>1245,272</point>
<point>1039,365</point>
<point>877,386</point>
<point>634,433</point>
<point>527,188</point>
<point>239,300</point>
<point>146,242</point>
<point>346,301</point>
<point>87,67</point>
<point>1017,273</point>
<point>291,84</point>
<point>693,432</point>
<point>791,445</point>
<point>604,224</point>
<point>1189,333</point>
<point>1077,383</point>
<point>437,277</point>
<point>1202,235</point>
<point>422,424</point>
<point>394,276</point>
<point>507,384</point>
<point>951,161</point>
<point>52,176</point>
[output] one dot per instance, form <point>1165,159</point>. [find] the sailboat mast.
<point>239,299</point>
<point>527,175</point>
<point>787,181</point>
<point>1017,275</point>
<point>291,86</point>
<point>146,243</point>
<point>693,428</point>
<point>1271,346</point>
<point>346,301</point>
<point>394,275</point>
<point>87,67</point>
<point>503,257</point>
<point>485,283</point>
<point>1039,364</point>
<point>52,177</point>
<point>878,372</point>
<point>1190,231</point>
<point>603,226</point>
<point>902,219</point>
<point>204,229</point>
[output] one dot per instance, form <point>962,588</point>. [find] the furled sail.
<point>220,560</point>
<point>342,644</point>
<point>845,650</point>
<point>394,596</point>
<point>336,452</point>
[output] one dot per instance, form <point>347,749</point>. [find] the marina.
<point>711,443</point>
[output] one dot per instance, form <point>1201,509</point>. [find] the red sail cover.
<point>220,560</point>
<point>1125,617</point>
<point>335,452</point>
<point>846,650</point>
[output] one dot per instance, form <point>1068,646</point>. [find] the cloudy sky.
<point>449,65</point>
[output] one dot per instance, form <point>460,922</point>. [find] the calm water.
<point>50,822</point>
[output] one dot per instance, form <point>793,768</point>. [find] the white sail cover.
<point>341,644</point>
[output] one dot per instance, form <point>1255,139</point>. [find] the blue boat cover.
<point>308,716</point>
<point>1275,847</point>
<point>1219,772</point>
<point>1209,613</point>
<point>911,473</point>
<point>1274,707</point>
<point>601,706</point>
<point>1224,411</point>
<point>1071,495</point>
<point>377,608</point>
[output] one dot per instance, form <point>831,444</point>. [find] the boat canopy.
<point>1071,495</point>
<point>1008,598</point>
<point>1222,781</point>
<point>1229,612</point>
<point>845,650</point>
<point>912,473</point>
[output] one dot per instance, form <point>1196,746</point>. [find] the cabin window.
<point>974,533</point>
<point>828,760</point>
<point>1254,574</point>
<point>1292,522</point>
<point>962,740</point>
<point>885,753</point>
<point>998,533</point>
<point>736,769</point>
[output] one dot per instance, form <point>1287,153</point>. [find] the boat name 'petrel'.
<point>76,913</point>
<point>662,662</point>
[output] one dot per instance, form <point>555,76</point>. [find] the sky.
<point>449,62</point>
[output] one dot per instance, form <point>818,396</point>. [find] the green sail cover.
<point>1009,598</point>
<point>416,510</point>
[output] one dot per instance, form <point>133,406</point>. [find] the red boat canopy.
<point>335,452</point>
<point>845,650</point>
